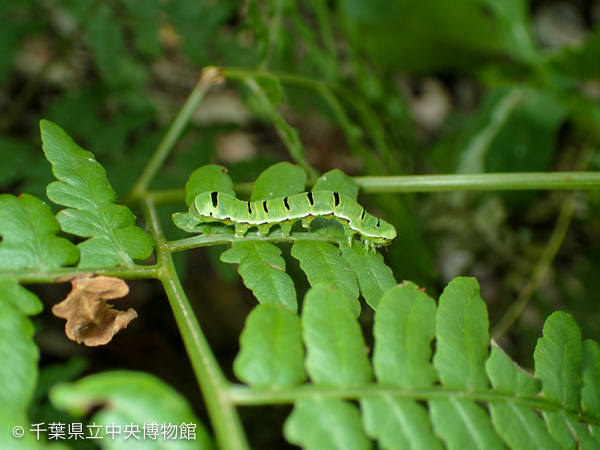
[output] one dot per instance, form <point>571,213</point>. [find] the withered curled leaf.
<point>89,318</point>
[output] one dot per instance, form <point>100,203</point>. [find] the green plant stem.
<point>440,183</point>
<point>540,271</point>
<point>247,396</point>
<point>63,273</point>
<point>166,197</point>
<point>481,182</point>
<point>210,76</point>
<point>364,110</point>
<point>223,414</point>
<point>275,237</point>
<point>284,130</point>
<point>237,73</point>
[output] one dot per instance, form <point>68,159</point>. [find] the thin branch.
<point>224,418</point>
<point>286,133</point>
<point>210,77</point>
<point>439,183</point>
<point>275,237</point>
<point>242,395</point>
<point>56,275</point>
<point>481,182</point>
<point>364,110</point>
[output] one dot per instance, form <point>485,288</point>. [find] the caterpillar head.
<point>377,231</point>
<point>206,204</point>
<point>386,233</point>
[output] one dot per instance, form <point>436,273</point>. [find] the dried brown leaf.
<point>89,318</point>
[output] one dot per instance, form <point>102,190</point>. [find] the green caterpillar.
<point>224,208</point>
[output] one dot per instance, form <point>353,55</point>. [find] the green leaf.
<point>463,425</point>
<point>183,221</point>
<point>133,398</point>
<point>462,336</point>
<point>322,263</point>
<point>18,352</point>
<point>461,353</point>
<point>335,347</point>
<point>585,441</point>
<point>590,381</point>
<point>398,424</point>
<point>280,180</point>
<point>558,359</point>
<point>325,424</point>
<point>211,177</point>
<point>520,426</point>
<point>271,353</point>
<point>404,328</point>
<point>28,230</point>
<point>263,271</point>
<point>337,181</point>
<point>506,376</point>
<point>83,185</point>
<point>374,277</point>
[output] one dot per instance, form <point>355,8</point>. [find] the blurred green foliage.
<point>374,87</point>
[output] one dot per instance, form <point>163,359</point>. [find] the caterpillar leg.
<point>285,228</point>
<point>349,234</point>
<point>307,220</point>
<point>263,230</point>
<point>240,229</point>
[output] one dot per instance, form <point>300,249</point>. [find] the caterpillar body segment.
<point>285,211</point>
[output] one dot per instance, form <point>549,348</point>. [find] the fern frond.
<point>280,180</point>
<point>521,426</point>
<point>263,271</point>
<point>374,276</point>
<point>475,398</point>
<point>335,357</point>
<point>84,188</point>
<point>28,230</point>
<point>322,263</point>
<point>337,181</point>
<point>208,178</point>
<point>271,352</point>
